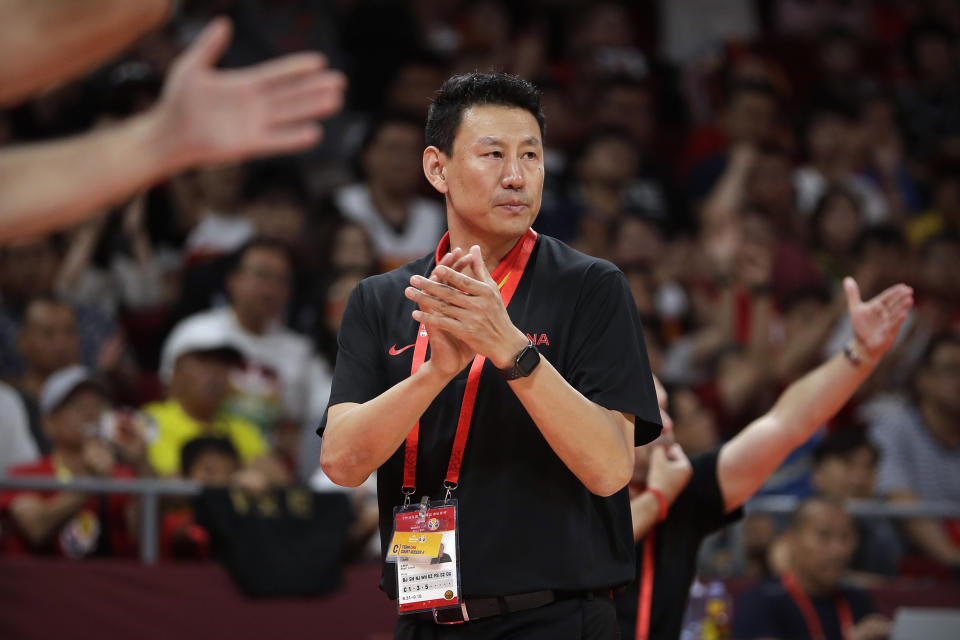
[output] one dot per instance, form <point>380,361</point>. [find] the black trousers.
<point>572,619</point>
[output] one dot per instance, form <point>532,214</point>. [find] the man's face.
<point>390,161</point>
<point>213,469</point>
<point>48,338</point>
<point>260,286</point>
<point>822,545</point>
<point>28,268</point>
<point>76,419</point>
<point>849,476</point>
<point>940,378</point>
<point>201,379</point>
<point>749,117</point>
<point>494,179</point>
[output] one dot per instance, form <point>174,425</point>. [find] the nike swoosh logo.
<point>395,352</point>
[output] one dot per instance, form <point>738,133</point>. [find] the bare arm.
<point>40,519</point>
<point>749,458</point>
<point>43,42</point>
<point>360,437</point>
<point>204,116</point>
<point>928,534</point>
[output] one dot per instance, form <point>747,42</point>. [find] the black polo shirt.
<point>766,610</point>
<point>696,513</point>
<point>526,522</point>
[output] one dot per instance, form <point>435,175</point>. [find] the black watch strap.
<point>524,364</point>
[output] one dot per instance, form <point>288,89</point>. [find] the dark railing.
<point>150,490</point>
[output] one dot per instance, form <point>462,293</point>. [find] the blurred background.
<point>735,159</point>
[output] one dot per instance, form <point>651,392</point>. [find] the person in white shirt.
<point>402,224</point>
<point>285,386</point>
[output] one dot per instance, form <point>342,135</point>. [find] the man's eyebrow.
<point>492,140</point>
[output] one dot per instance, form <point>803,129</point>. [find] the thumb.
<point>479,267</point>
<point>207,48</point>
<point>853,292</point>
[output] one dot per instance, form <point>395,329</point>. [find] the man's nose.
<point>511,177</point>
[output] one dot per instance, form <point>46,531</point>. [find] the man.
<point>47,342</point>
<point>844,467</point>
<point>685,500</point>
<point>71,523</point>
<point>283,384</point>
<point>204,117</point>
<point>809,600</point>
<point>196,365</point>
<point>543,512</point>
<point>919,444</point>
<point>402,224</point>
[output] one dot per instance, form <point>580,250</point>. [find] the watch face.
<point>528,360</point>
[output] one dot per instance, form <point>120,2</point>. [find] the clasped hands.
<point>460,305</point>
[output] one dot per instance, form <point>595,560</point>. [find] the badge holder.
<point>426,549</point>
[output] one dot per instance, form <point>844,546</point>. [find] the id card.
<point>425,548</point>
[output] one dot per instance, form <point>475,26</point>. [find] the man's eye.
<point>530,155</point>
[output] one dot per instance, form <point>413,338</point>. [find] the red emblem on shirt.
<point>395,352</point>
<point>538,339</point>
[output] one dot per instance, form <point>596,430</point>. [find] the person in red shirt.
<point>71,523</point>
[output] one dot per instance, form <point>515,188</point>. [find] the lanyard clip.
<point>449,486</point>
<point>424,504</point>
<point>407,492</point>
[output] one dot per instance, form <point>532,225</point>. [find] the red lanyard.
<point>810,617</point>
<point>646,587</point>
<point>508,273</point>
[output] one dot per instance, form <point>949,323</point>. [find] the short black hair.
<point>947,337</point>
<point>841,443</point>
<point>204,445</point>
<point>464,91</point>
<point>884,235</point>
<point>276,179</point>
<point>259,242</point>
<point>387,118</point>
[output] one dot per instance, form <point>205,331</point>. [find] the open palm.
<point>224,115</point>
<point>876,321</point>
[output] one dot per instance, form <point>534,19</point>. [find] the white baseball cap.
<point>196,334</point>
<point>60,384</point>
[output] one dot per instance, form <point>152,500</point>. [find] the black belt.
<point>475,608</point>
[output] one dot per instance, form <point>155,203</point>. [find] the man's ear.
<point>434,161</point>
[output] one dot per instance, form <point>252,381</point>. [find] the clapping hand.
<point>466,305</point>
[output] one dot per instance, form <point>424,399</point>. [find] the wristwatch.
<point>524,364</point>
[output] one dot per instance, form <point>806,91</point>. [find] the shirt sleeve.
<point>359,374</point>
<point>608,362</point>
<point>702,499</point>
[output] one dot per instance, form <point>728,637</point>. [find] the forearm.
<point>48,186</point>
<point>40,519</point>
<point>749,458</point>
<point>595,443</point>
<point>645,511</point>
<point>359,438</point>
<point>43,42</point>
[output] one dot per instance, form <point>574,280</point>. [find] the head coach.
<point>526,409</point>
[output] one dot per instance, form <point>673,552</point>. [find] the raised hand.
<point>468,308</point>
<point>217,116</point>
<point>877,321</point>
<point>670,471</point>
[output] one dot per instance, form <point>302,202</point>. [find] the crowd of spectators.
<point>734,159</point>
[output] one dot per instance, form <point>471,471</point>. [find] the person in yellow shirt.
<point>196,365</point>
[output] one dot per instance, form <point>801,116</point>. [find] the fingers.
<point>307,105</point>
<point>435,321</point>
<point>896,297</point>
<point>294,137</point>
<point>286,69</point>
<point>461,281</point>
<point>853,292</point>
<point>209,45</point>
